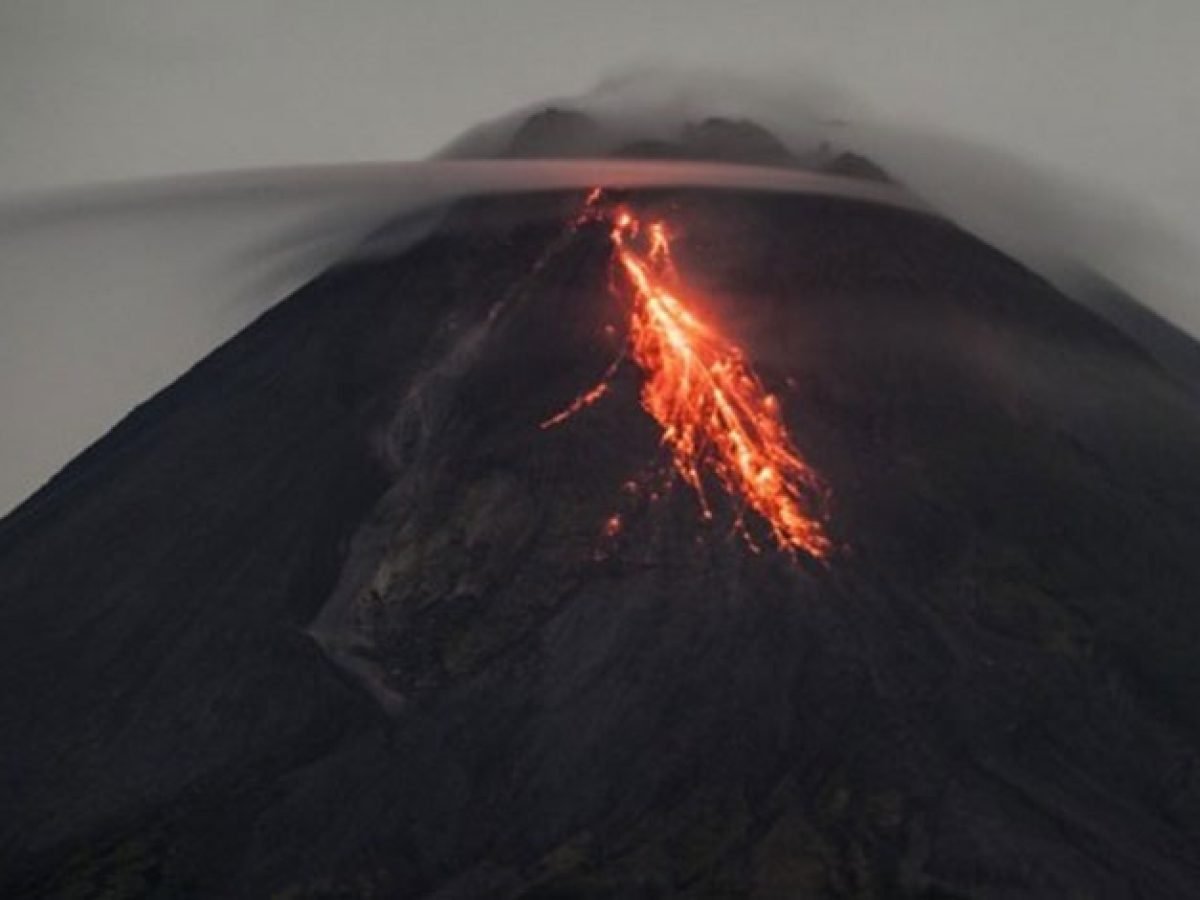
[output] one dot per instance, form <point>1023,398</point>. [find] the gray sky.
<point>1096,97</point>
<point>124,88</point>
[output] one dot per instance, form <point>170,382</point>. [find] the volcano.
<point>334,616</point>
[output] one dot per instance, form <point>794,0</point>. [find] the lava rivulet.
<point>717,417</point>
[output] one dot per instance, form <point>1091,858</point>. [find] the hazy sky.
<point>103,89</point>
<point>1100,95</point>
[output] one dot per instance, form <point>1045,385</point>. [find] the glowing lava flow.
<point>714,412</point>
<point>716,416</point>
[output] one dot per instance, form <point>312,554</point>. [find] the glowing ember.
<point>716,416</point>
<point>584,400</point>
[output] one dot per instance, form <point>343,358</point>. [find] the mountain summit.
<point>563,133</point>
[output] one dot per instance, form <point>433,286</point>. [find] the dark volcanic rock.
<point>852,165</point>
<point>735,141</point>
<point>566,133</point>
<point>332,616</point>
<point>558,133</point>
<point>716,140</point>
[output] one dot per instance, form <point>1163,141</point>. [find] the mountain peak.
<point>556,132</point>
<point>736,140</point>
<point>562,133</point>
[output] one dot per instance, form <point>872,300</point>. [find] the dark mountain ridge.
<point>563,133</point>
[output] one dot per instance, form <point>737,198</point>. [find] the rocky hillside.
<point>333,617</point>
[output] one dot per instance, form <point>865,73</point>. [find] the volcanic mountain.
<point>335,616</point>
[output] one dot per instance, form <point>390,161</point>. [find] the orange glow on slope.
<point>583,400</point>
<point>716,416</point>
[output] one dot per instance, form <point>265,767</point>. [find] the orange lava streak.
<point>583,401</point>
<point>715,414</point>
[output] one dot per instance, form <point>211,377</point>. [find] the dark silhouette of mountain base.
<point>333,617</point>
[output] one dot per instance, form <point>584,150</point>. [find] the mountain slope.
<point>333,616</point>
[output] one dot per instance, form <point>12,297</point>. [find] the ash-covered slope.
<point>333,616</point>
